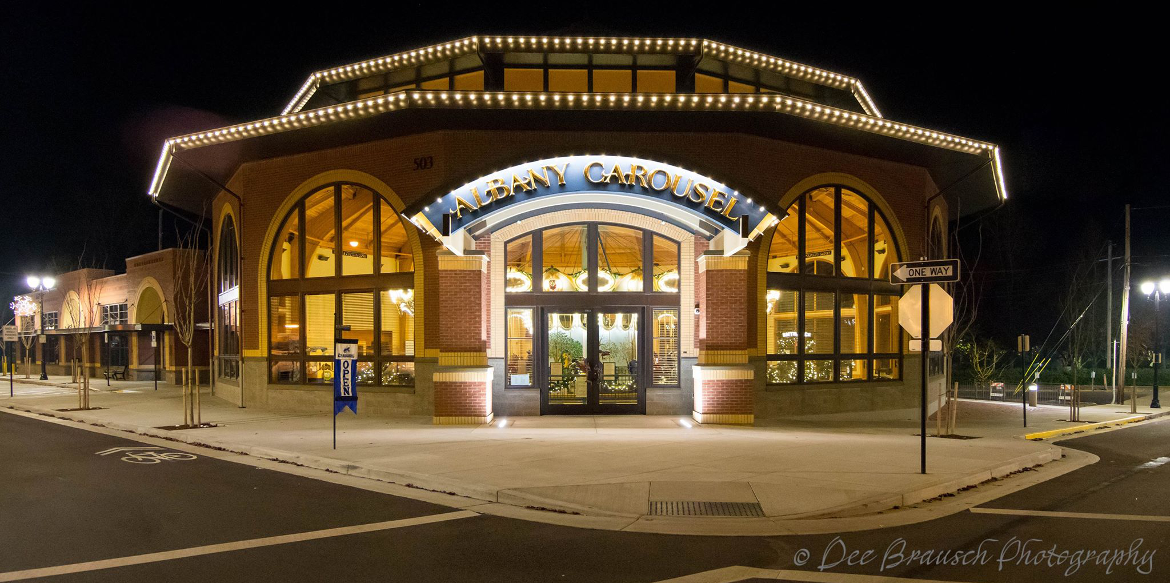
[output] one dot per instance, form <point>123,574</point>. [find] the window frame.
<point>537,299</point>
<point>839,285</point>
<point>301,286</point>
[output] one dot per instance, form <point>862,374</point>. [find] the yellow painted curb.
<point>1087,427</point>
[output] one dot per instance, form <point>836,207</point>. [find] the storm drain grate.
<point>688,508</point>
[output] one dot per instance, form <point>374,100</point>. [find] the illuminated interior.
<point>841,324</point>
<point>353,223</point>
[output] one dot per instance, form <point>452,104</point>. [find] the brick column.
<point>462,380</point>
<point>724,380</point>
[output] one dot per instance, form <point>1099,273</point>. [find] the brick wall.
<point>761,167</point>
<point>462,399</point>
<point>462,311</point>
<point>727,397</point>
<point>724,309</point>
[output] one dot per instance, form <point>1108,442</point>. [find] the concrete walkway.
<point>799,468</point>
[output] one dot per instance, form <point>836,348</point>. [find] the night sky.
<point>1072,98</point>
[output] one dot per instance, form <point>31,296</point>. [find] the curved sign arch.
<point>598,179</point>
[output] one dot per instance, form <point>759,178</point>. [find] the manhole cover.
<point>689,508</point>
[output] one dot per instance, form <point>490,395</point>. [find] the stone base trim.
<point>723,356</point>
<point>722,373</point>
<point>723,418</point>
<point>477,374</point>
<point>712,261</point>
<point>470,262</point>
<point>463,420</point>
<point>476,359</point>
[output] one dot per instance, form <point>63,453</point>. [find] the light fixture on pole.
<point>1150,289</point>
<point>42,284</point>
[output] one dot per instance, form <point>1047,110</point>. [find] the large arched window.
<point>341,258</point>
<point>228,275</point>
<point>831,312</point>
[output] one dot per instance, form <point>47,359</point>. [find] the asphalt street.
<point>62,503</point>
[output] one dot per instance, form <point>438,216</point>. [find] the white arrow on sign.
<point>905,272</point>
<point>942,307</point>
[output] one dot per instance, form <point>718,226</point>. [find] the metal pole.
<point>44,367</point>
<point>1125,319</point>
<point>1154,404</point>
<point>925,335</point>
<point>1109,318</point>
<point>154,349</point>
<point>11,354</point>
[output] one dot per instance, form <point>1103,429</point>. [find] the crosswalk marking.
<point>1054,514</point>
<point>232,546</point>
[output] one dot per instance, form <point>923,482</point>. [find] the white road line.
<point>1155,462</point>
<point>232,546</point>
<point>1090,515</point>
<point>733,574</point>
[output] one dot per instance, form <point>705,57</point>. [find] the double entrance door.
<point>592,361</point>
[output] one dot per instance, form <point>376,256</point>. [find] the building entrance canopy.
<point>681,196</point>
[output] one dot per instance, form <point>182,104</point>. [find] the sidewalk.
<point>800,468</point>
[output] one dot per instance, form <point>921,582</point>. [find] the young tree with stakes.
<point>191,280</point>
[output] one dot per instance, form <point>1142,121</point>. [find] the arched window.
<point>228,275</point>
<point>341,257</point>
<point>831,312</point>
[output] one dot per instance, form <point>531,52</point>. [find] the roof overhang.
<point>192,167</point>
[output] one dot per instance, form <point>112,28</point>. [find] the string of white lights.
<point>577,101</point>
<point>447,50</point>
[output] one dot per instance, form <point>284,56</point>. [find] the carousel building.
<point>570,225</point>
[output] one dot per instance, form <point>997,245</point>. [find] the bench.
<point>116,374</point>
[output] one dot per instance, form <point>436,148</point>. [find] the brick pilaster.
<point>463,381</point>
<point>724,381</point>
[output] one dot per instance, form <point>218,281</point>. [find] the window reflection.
<point>320,234</point>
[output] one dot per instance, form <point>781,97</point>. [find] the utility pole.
<point>1109,322</point>
<point>1120,392</point>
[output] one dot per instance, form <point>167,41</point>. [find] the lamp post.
<point>42,285</point>
<point>1157,291</point>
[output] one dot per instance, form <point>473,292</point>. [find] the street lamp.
<point>42,284</point>
<point>1157,291</point>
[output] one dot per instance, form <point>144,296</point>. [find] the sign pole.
<point>11,355</point>
<point>925,335</point>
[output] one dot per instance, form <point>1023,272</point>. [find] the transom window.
<point>592,258</point>
<point>341,258</point>
<point>831,313</point>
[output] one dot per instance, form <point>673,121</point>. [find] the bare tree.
<point>987,359</point>
<point>1080,293</point>
<point>191,275</point>
<point>84,312</point>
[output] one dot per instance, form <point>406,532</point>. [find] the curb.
<point>526,500</point>
<point>1042,435</point>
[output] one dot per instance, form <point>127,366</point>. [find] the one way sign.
<point>933,271</point>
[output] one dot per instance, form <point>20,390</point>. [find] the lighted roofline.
<point>588,101</point>
<point>424,55</point>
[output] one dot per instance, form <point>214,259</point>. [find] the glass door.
<point>592,361</point>
<point>566,349</point>
<point>619,381</point>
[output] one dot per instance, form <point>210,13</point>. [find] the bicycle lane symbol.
<point>148,454</point>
